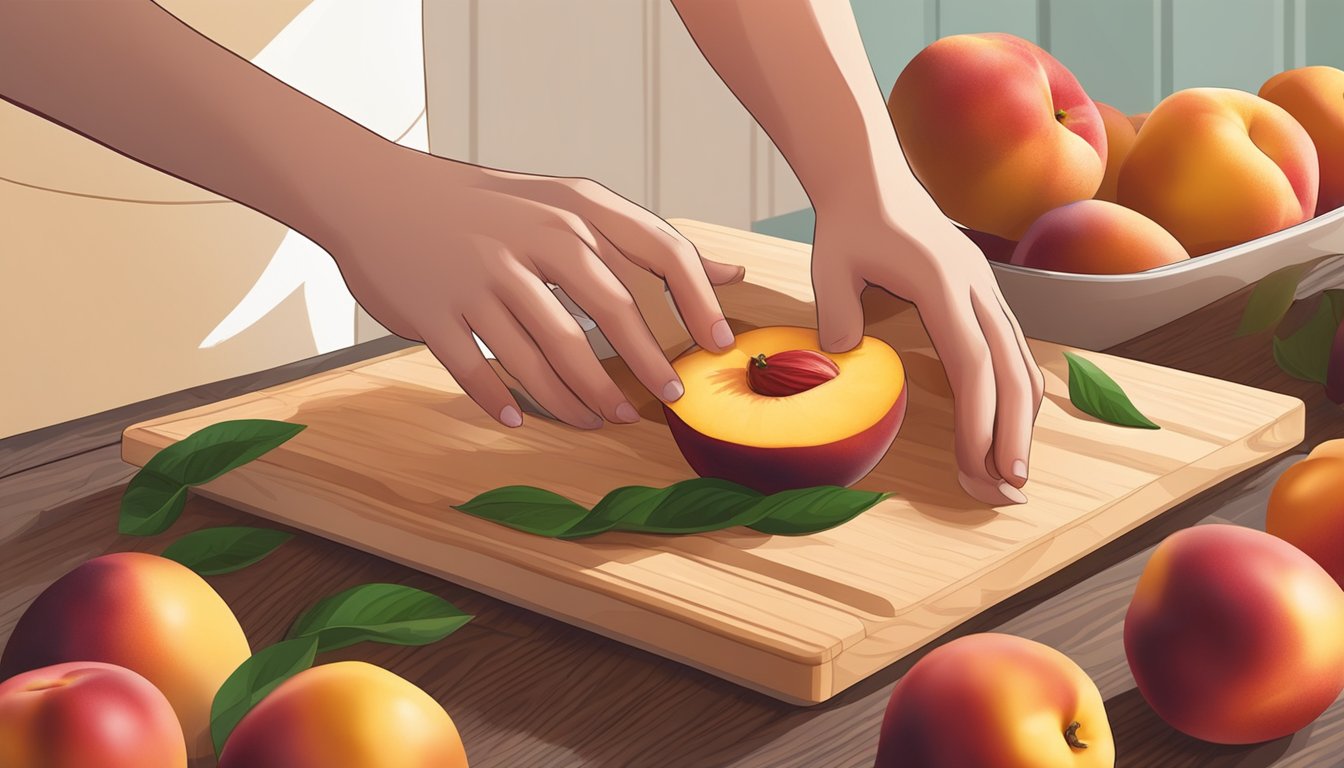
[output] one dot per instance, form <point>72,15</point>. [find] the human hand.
<point>996,385</point>
<point>440,249</point>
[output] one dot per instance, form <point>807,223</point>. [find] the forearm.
<point>131,76</point>
<point>799,67</point>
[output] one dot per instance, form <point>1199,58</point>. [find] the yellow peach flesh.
<point>719,404</point>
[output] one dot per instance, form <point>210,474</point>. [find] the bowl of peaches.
<point>1102,226</point>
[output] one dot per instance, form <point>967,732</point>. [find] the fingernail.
<point>1012,494</point>
<point>1019,472</point>
<point>673,391</point>
<point>626,413</point>
<point>840,344</point>
<point>590,421</point>
<point>510,417</point>
<point>723,335</point>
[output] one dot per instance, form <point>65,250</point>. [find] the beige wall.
<point>105,301</point>
<point>610,89</point>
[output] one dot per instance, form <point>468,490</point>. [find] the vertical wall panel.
<point>449,27</point>
<point>1226,43</point>
<point>1324,32</point>
<point>787,193</point>
<point>560,89</point>
<point>1018,17</point>
<point>893,32</point>
<point>704,137</point>
<point>1114,49</point>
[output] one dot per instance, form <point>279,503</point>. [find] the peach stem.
<point>1071,735</point>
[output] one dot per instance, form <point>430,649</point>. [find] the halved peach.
<point>814,419</point>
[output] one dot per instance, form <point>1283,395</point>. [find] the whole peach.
<point>1218,167</point>
<point>1233,635</point>
<point>87,715</point>
<point>1306,509</point>
<point>143,612</point>
<point>1096,237</point>
<point>1328,448</point>
<point>997,130</point>
<point>1120,135</point>
<point>1315,96</point>
<point>995,701</point>
<point>350,714</point>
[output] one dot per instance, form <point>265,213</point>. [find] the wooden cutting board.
<point>392,444</point>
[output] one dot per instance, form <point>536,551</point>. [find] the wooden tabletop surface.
<point>529,691</point>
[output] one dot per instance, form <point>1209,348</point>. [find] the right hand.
<point>996,385</point>
<point>442,249</point>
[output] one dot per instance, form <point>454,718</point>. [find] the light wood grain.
<point>393,443</point>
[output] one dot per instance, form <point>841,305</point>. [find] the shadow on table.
<point>1143,740</point>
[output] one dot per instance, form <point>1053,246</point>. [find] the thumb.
<point>839,309</point>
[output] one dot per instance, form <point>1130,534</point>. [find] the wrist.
<point>360,181</point>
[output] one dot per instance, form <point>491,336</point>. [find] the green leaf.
<point>262,673</point>
<point>1305,354</point>
<point>213,551</point>
<point>693,506</point>
<point>614,506</point>
<point>1270,300</point>
<point>150,504</point>
<point>1093,392</point>
<point>155,496</point>
<point>698,505</point>
<point>809,510</point>
<point>527,509</point>
<point>385,613</point>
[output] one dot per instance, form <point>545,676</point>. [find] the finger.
<point>560,339</point>
<point>1033,369</point>
<point>720,273</point>
<point>518,353</point>
<point>609,304</point>
<point>457,351</point>
<point>1014,410</point>
<point>653,244</point>
<point>966,358</point>
<point>839,308</point>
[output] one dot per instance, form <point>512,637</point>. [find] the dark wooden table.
<point>529,691</point>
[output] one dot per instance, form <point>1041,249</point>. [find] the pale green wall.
<point>1127,53</point>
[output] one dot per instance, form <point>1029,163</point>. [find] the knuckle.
<point>1037,382</point>
<point>569,333</point>
<point>584,186</point>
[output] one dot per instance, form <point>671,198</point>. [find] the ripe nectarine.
<point>1120,135</point>
<point>995,701</point>
<point>143,612</point>
<point>997,130</point>
<point>1096,237</point>
<point>1233,635</point>
<point>1306,509</point>
<point>87,715</point>
<point>1218,167</point>
<point>1315,96</point>
<point>350,714</point>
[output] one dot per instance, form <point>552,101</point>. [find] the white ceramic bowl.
<point>1098,311</point>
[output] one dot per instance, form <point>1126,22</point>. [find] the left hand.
<point>996,385</point>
